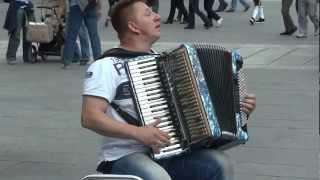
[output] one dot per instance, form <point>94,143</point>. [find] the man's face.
<point>146,21</point>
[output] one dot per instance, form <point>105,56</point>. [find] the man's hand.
<point>151,136</point>
<point>248,104</point>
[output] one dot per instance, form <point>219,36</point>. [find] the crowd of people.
<point>82,23</point>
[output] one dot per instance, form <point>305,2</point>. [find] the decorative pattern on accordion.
<point>203,91</point>
<point>241,117</point>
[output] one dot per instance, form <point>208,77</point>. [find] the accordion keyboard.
<point>153,103</point>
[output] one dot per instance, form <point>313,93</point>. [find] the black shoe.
<point>252,21</point>
<point>83,63</point>
<point>184,22</point>
<point>66,66</point>
<point>222,7</point>
<point>260,20</point>
<point>106,23</point>
<point>230,10</point>
<point>208,25</point>
<point>290,32</point>
<point>189,27</point>
<point>168,21</point>
<point>246,8</point>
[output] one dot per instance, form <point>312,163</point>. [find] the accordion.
<point>195,90</point>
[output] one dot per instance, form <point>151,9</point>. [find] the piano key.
<point>141,62</point>
<point>143,97</point>
<point>145,59</point>
<point>167,128</point>
<point>169,154</point>
<point>170,147</point>
<point>142,86</point>
<point>150,93</point>
<point>144,75</point>
<point>154,104</point>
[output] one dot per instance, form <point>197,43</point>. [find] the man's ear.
<point>132,26</point>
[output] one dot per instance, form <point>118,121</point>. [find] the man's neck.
<point>136,46</point>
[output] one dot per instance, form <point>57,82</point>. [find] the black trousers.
<point>194,9</point>
<point>208,7</point>
<point>257,2</point>
<point>180,6</point>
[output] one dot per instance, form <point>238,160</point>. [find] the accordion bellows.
<point>195,90</point>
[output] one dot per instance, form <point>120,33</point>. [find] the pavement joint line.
<point>257,52</point>
<point>312,59</point>
<point>283,55</point>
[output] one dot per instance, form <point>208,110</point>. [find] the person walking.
<point>18,13</point>
<point>177,4</point>
<point>289,26</point>
<point>222,6</point>
<point>212,14</point>
<point>76,17</point>
<point>234,5</point>
<point>257,13</point>
<point>307,8</point>
<point>194,9</point>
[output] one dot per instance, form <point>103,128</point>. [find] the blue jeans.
<point>14,39</point>
<point>200,165</point>
<point>84,54</point>
<point>76,19</point>
<point>243,2</point>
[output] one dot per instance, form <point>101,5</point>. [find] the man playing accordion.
<point>125,147</point>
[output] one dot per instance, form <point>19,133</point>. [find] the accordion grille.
<point>216,65</point>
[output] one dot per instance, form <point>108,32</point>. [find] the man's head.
<point>135,18</point>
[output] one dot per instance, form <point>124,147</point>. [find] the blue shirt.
<point>73,2</point>
<point>22,3</point>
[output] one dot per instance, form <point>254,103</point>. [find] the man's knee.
<point>224,166</point>
<point>140,165</point>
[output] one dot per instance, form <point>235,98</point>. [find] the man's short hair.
<point>120,14</point>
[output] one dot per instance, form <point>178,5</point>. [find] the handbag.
<point>39,32</point>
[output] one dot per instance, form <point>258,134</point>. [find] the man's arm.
<point>93,117</point>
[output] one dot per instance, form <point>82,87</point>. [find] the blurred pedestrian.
<point>234,5</point>
<point>289,26</point>
<point>19,11</point>
<point>194,9</point>
<point>212,14</point>
<point>111,3</point>
<point>307,8</point>
<point>222,6</point>
<point>177,4</point>
<point>76,17</point>
<point>154,4</point>
<point>257,13</point>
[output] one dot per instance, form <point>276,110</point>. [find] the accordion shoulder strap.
<point>126,116</point>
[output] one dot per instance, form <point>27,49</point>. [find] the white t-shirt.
<point>106,78</point>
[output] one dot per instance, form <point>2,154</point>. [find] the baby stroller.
<point>53,23</point>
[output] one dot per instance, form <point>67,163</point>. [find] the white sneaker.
<point>301,35</point>
<point>219,22</point>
